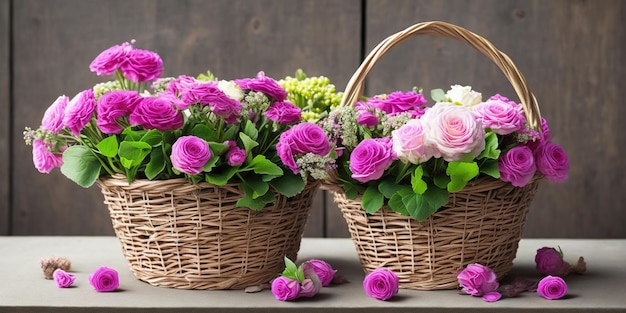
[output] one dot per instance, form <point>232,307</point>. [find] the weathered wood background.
<point>571,52</point>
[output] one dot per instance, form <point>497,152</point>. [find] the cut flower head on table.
<point>142,126</point>
<point>397,150</point>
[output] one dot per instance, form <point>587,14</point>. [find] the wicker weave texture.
<point>180,235</point>
<point>481,224</point>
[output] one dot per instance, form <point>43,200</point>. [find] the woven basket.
<point>481,224</point>
<point>180,235</point>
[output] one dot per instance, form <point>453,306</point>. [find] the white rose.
<point>464,95</point>
<point>231,89</point>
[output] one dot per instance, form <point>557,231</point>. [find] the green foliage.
<point>81,165</point>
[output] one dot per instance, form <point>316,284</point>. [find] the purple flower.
<point>53,117</point>
<point>265,85</point>
<point>500,116</point>
<point>321,269</point>
<point>79,111</point>
<point>517,166</point>
<point>381,284</point>
<point>43,159</point>
<point>552,161</point>
<point>284,112</point>
<point>492,296</point>
<point>104,279</point>
<point>190,154</point>
<point>113,106</point>
<point>235,156</point>
<point>371,158</point>
<point>209,94</point>
<point>109,60</point>
<point>477,280</point>
<point>552,287</point>
<point>301,139</point>
<point>398,102</point>
<point>63,278</point>
<point>366,118</point>
<point>157,113</point>
<point>549,261</point>
<point>285,289</point>
<point>142,65</point>
<point>309,287</point>
<point>182,87</point>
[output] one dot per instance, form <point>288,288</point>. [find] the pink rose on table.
<point>492,296</point>
<point>113,106</point>
<point>53,117</point>
<point>453,131</point>
<point>549,261</point>
<point>62,278</point>
<point>79,111</point>
<point>398,102</point>
<point>381,284</point>
<point>156,113</point>
<point>301,139</point>
<point>477,280</point>
<point>43,159</point>
<point>309,287</point>
<point>500,116</point>
<point>142,65</point>
<point>517,166</point>
<point>408,142</point>
<point>321,269</point>
<point>283,112</point>
<point>552,287</point>
<point>190,154</point>
<point>104,279</point>
<point>109,60</point>
<point>285,289</point>
<point>552,161</point>
<point>371,158</point>
<point>265,85</point>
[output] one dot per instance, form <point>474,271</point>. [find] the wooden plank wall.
<point>571,52</point>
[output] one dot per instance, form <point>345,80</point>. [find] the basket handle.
<point>354,88</point>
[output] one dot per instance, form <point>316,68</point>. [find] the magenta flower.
<point>284,112</point>
<point>63,278</point>
<point>477,280</point>
<point>549,261</point>
<point>366,118</point>
<point>157,113</point>
<point>113,106</point>
<point>190,154</point>
<point>109,60</point>
<point>79,111</point>
<point>208,93</point>
<point>309,288</point>
<point>104,279</point>
<point>398,102</point>
<point>182,87</point>
<point>321,269</point>
<point>552,161</point>
<point>44,159</point>
<point>517,166</point>
<point>492,296</point>
<point>142,65</point>
<point>236,156</point>
<point>552,287</point>
<point>371,158</point>
<point>500,116</point>
<point>285,289</point>
<point>53,117</point>
<point>381,284</point>
<point>301,139</point>
<point>265,85</point>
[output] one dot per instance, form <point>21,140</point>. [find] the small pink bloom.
<point>552,161</point>
<point>309,288</point>
<point>236,156</point>
<point>549,261</point>
<point>285,289</point>
<point>113,106</point>
<point>366,118</point>
<point>157,113</point>
<point>104,279</point>
<point>190,154</point>
<point>381,284</point>
<point>552,287</point>
<point>408,142</point>
<point>265,85</point>
<point>53,117</point>
<point>477,280</point>
<point>323,270</point>
<point>79,111</point>
<point>371,158</point>
<point>517,166</point>
<point>500,116</point>
<point>492,296</point>
<point>44,159</point>
<point>284,112</point>
<point>63,278</point>
<point>109,60</point>
<point>142,65</point>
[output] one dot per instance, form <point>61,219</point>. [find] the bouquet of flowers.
<point>145,127</point>
<point>397,151</point>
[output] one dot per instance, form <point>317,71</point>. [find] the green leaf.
<point>81,165</point>
<point>153,137</point>
<point>156,165</point>
<point>388,188</point>
<point>210,164</point>
<point>248,143</point>
<point>441,180</point>
<point>372,199</point>
<point>131,135</point>
<point>396,204</point>
<point>351,190</point>
<point>420,207</point>
<point>261,165</point>
<point>256,185</point>
<point>460,173</point>
<point>417,183</point>
<point>438,95</point>
<point>132,153</point>
<point>205,132</point>
<point>230,132</point>
<point>289,184</point>
<point>256,204</point>
<point>490,167</point>
<point>108,146</point>
<point>292,271</point>
<point>221,178</point>
<point>491,150</point>
<point>218,148</point>
<point>250,130</point>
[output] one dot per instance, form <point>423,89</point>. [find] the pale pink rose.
<point>452,132</point>
<point>114,105</point>
<point>500,116</point>
<point>477,280</point>
<point>157,113</point>
<point>43,159</point>
<point>79,111</point>
<point>285,289</point>
<point>517,166</point>
<point>371,158</point>
<point>322,269</point>
<point>53,117</point>
<point>190,154</point>
<point>142,65</point>
<point>109,60</point>
<point>552,161</point>
<point>408,142</point>
<point>62,278</point>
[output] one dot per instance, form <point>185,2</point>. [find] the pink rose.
<point>113,106</point>
<point>43,159</point>
<point>53,117</point>
<point>477,280</point>
<point>209,94</point>
<point>142,65</point>
<point>398,102</point>
<point>552,161</point>
<point>285,289</point>
<point>265,85</point>
<point>104,279</point>
<point>366,118</point>
<point>190,154</point>
<point>517,166</point>
<point>109,60</point>
<point>236,156</point>
<point>371,158</point>
<point>63,278</point>
<point>552,287</point>
<point>323,270</point>
<point>309,288</point>
<point>500,116</point>
<point>408,142</point>
<point>156,113</point>
<point>79,111</point>
<point>301,139</point>
<point>453,131</point>
<point>381,284</point>
<point>549,261</point>
<point>284,112</point>
<point>182,87</point>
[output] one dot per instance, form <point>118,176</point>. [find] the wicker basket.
<point>483,223</point>
<point>180,235</point>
